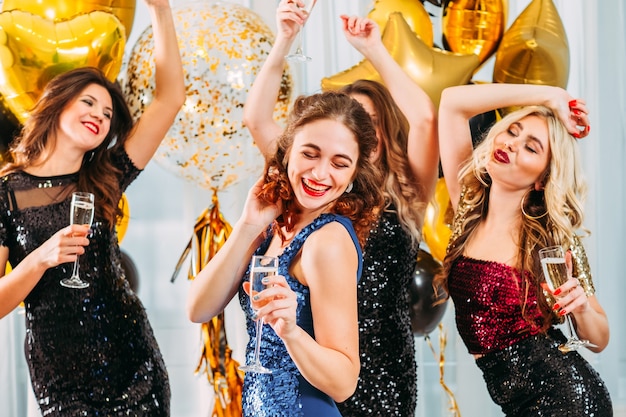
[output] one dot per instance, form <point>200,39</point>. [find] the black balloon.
<point>130,270</point>
<point>425,314</point>
<point>480,125</point>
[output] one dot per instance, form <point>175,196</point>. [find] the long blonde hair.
<point>548,217</point>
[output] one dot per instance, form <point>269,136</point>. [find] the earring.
<point>528,216</point>
<point>349,188</point>
<point>91,154</point>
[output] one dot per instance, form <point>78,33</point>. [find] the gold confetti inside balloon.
<point>413,12</point>
<point>474,26</point>
<point>223,47</point>
<point>534,50</point>
<point>33,50</point>
<point>431,68</point>
<point>58,10</point>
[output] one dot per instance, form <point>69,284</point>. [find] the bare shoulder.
<point>330,247</point>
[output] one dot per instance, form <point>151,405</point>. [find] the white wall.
<point>164,208</point>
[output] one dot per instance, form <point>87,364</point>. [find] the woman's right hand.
<point>256,211</point>
<point>63,247</point>
<point>289,18</point>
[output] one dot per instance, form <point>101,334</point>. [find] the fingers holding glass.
<point>81,212</point>
<point>559,282</point>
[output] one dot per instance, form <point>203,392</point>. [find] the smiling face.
<point>521,153</point>
<point>322,162</point>
<point>86,120</point>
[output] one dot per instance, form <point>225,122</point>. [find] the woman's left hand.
<point>570,297</point>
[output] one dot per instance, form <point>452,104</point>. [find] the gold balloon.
<point>534,50</point>
<point>413,12</point>
<point>34,50</point>
<point>474,26</point>
<point>431,68</point>
<point>437,221</point>
<point>57,10</point>
<point>122,222</point>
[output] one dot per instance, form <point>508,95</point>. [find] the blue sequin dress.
<point>90,352</point>
<point>285,393</point>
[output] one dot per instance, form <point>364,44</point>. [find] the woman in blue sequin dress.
<point>91,351</point>
<point>407,154</point>
<point>319,195</point>
<point>518,191</point>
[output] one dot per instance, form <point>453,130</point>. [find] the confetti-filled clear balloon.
<point>223,47</point>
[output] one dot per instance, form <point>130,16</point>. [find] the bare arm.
<point>460,103</point>
<point>218,281</point>
<point>169,93</point>
<point>61,248</point>
<point>258,112</point>
<point>415,104</point>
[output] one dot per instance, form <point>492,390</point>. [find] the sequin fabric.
<point>526,374</point>
<point>488,305</point>
<point>387,383</point>
<point>90,352</point>
<point>533,378</point>
<point>284,392</point>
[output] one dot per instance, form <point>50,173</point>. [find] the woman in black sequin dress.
<point>90,352</point>
<point>521,189</point>
<point>407,154</point>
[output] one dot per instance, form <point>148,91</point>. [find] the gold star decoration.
<point>432,69</point>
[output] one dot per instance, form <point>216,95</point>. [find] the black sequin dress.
<point>90,352</point>
<point>387,383</point>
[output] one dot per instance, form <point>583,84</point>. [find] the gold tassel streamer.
<point>210,234</point>
<point>443,340</point>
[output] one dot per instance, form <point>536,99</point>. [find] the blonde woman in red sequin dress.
<point>519,190</point>
<point>89,351</point>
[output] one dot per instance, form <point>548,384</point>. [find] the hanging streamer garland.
<point>210,234</point>
<point>441,357</point>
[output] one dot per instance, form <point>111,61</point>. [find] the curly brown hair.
<point>37,137</point>
<point>362,204</point>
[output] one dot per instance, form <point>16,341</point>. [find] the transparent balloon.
<point>223,47</point>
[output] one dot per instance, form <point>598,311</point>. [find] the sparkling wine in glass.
<point>299,55</point>
<point>81,212</point>
<point>261,267</point>
<point>555,274</point>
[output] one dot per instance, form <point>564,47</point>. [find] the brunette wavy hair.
<point>363,202</point>
<point>37,138</point>
<point>399,183</point>
<point>548,217</point>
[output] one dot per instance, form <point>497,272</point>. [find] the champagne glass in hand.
<point>81,212</point>
<point>555,273</point>
<point>261,267</point>
<point>298,55</point>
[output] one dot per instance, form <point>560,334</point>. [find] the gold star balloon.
<point>33,50</point>
<point>534,50</point>
<point>57,10</point>
<point>413,12</point>
<point>431,68</point>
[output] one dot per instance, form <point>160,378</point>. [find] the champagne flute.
<point>555,274</point>
<point>298,55</point>
<point>261,267</point>
<point>81,212</point>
